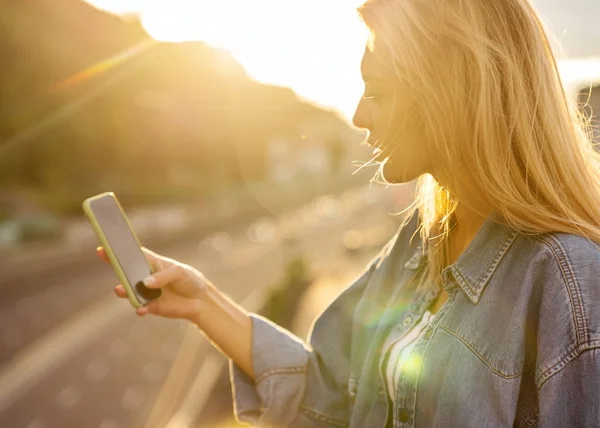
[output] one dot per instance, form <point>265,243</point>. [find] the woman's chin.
<point>393,173</point>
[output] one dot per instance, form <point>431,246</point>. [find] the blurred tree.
<point>89,103</point>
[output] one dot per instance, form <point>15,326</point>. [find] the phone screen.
<point>124,246</point>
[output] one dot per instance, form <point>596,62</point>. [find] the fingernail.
<point>149,280</point>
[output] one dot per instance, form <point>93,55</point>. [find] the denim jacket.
<point>516,344</point>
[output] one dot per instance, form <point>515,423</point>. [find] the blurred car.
<point>28,228</point>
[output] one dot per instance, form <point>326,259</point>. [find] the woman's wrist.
<point>205,304</point>
<point>227,325</point>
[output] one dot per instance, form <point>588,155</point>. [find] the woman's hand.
<point>182,287</point>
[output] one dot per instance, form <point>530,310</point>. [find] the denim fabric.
<point>516,344</point>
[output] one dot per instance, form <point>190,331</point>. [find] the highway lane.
<point>105,367</point>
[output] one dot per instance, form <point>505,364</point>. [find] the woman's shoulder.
<point>565,271</point>
<point>568,276</point>
<point>573,261</point>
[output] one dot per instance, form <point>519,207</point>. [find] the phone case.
<point>108,250</point>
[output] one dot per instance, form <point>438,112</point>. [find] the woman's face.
<point>394,125</point>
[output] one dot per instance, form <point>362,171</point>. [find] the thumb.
<point>165,277</point>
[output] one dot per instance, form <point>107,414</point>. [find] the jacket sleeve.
<point>571,396</point>
<point>299,384</point>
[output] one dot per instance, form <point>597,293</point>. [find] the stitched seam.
<point>578,303</point>
<point>494,265</point>
<point>460,278</point>
<point>573,354</point>
<point>475,292</point>
<point>321,417</point>
<point>577,290</point>
<point>564,268</point>
<point>468,345</point>
<point>566,282</point>
<point>533,422</point>
<point>281,371</point>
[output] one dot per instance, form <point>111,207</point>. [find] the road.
<point>73,355</point>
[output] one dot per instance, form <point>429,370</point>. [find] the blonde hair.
<point>483,75</point>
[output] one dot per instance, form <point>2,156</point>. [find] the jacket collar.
<point>476,265</point>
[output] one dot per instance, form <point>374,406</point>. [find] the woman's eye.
<point>371,96</point>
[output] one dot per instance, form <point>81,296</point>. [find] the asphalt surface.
<point>73,355</point>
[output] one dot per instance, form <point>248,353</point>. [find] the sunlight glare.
<point>314,47</point>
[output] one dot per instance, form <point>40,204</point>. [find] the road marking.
<point>36,361</point>
<point>45,355</point>
<point>200,391</point>
<point>192,345</point>
<point>205,378</point>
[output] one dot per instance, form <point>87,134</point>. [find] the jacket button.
<point>406,321</point>
<point>428,333</point>
<point>403,415</point>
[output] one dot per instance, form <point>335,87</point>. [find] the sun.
<point>313,46</point>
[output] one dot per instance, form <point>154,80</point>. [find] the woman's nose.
<point>361,118</point>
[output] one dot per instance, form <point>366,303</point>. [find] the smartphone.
<point>121,246</point>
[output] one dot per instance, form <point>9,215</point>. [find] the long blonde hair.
<point>483,76</point>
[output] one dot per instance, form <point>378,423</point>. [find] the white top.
<point>399,352</point>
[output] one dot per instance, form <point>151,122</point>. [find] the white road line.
<point>206,376</point>
<point>192,344</point>
<point>200,391</point>
<point>27,367</point>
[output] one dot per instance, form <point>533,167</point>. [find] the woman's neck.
<point>468,223</point>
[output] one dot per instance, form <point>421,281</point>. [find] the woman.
<point>484,310</point>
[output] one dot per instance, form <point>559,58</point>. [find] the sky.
<point>301,49</point>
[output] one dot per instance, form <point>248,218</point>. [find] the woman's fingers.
<point>100,251</point>
<point>120,291</point>
<point>161,278</point>
<point>157,261</point>
<point>150,308</point>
